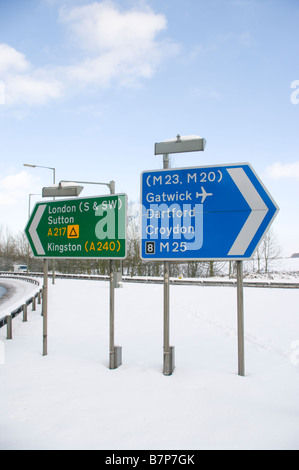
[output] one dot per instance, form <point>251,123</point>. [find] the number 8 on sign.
<point>150,248</point>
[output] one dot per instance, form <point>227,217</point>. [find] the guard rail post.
<point>25,313</point>
<point>9,326</point>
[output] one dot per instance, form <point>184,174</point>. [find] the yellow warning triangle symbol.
<point>73,231</point>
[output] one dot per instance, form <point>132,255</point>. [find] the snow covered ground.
<point>17,292</point>
<point>71,400</point>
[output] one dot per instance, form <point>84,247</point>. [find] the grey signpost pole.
<point>111,331</point>
<point>177,145</point>
<point>45,309</point>
<point>111,337</point>
<point>240,295</point>
<point>115,352</point>
<point>168,360</point>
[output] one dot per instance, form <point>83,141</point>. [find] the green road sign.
<point>79,228</point>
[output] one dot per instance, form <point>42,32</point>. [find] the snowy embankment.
<point>17,293</point>
<point>71,400</point>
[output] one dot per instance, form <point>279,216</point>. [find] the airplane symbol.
<point>203,194</point>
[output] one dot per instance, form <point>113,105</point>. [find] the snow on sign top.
<point>180,144</point>
<point>183,138</point>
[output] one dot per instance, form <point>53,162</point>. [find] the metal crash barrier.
<point>23,309</point>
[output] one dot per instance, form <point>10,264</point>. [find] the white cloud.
<point>22,180</point>
<point>111,46</point>
<point>283,170</point>
<point>13,187</point>
<point>117,44</point>
<point>22,83</point>
<point>11,60</point>
<point>32,89</point>
<point>14,198</point>
<point>103,27</point>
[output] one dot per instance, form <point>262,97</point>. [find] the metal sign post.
<point>168,359</point>
<point>45,309</point>
<point>240,303</point>
<point>115,352</point>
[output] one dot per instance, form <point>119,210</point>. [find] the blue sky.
<point>89,87</point>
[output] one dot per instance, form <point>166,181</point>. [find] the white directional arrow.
<point>258,211</point>
<point>33,230</point>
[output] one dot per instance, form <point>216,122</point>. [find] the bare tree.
<point>268,251</point>
<point>271,248</point>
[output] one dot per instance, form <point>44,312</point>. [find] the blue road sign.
<point>204,213</point>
